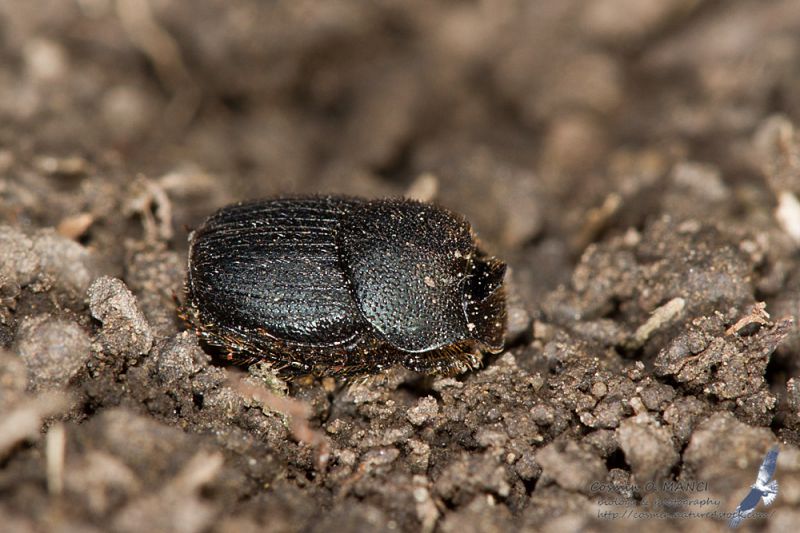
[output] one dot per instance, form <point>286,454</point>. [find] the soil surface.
<point>636,162</point>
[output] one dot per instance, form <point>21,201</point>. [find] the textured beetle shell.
<point>337,285</point>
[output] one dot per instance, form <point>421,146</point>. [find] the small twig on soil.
<point>757,315</point>
<point>660,317</point>
<point>596,219</point>
<point>149,200</point>
<point>56,445</point>
<point>296,413</point>
<point>25,421</point>
<point>788,214</point>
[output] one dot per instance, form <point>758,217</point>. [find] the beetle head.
<point>485,302</point>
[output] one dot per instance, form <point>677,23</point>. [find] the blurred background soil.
<point>636,162</point>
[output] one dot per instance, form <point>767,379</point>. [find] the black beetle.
<point>332,285</point>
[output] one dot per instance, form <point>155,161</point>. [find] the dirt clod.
<point>53,350</point>
<point>125,330</point>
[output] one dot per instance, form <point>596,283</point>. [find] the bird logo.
<point>763,488</point>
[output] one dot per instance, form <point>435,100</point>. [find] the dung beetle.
<point>341,286</point>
